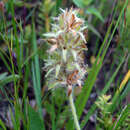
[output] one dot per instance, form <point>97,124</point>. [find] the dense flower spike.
<point>65,63</point>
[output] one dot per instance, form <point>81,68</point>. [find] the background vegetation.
<point>25,101</point>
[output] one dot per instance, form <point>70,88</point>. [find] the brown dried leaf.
<point>52,41</point>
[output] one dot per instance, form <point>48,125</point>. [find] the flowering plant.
<point>65,64</point>
<point>65,56</point>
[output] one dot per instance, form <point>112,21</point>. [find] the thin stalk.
<point>74,112</point>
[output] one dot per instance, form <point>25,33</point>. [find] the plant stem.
<point>74,112</point>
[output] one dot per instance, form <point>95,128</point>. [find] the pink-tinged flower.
<point>65,62</point>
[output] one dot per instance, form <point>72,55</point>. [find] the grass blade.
<point>36,74</point>
<point>117,94</point>
<point>124,114</point>
<point>2,125</point>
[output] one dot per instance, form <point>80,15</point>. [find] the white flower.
<point>65,63</point>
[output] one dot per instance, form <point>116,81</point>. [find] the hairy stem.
<point>74,112</point>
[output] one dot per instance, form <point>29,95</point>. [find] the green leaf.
<point>91,28</point>
<point>51,111</point>
<point>51,86</point>
<point>36,72</point>
<point>106,88</point>
<point>35,122</point>
<point>95,12</point>
<point>49,72</point>
<point>57,70</point>
<point>126,91</point>
<point>123,115</point>
<point>83,97</point>
<point>9,79</point>
<point>58,5</point>
<point>2,76</point>
<point>2,125</point>
<point>3,59</point>
<point>82,3</point>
